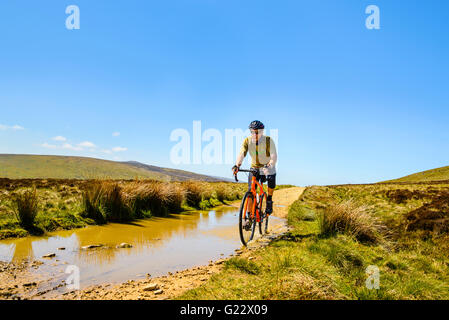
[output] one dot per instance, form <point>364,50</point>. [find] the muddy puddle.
<point>159,246</point>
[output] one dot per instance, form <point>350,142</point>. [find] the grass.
<point>50,206</point>
<point>57,207</point>
<point>92,202</point>
<point>284,186</point>
<point>25,207</point>
<point>242,265</point>
<point>367,227</point>
<point>438,174</point>
<point>348,217</point>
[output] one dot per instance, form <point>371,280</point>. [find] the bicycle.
<point>257,214</point>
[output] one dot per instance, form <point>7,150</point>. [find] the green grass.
<point>284,186</point>
<point>56,209</point>
<point>309,264</point>
<point>242,265</point>
<point>437,174</point>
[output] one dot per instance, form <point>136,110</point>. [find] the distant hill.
<point>438,174</point>
<point>179,174</point>
<point>14,166</point>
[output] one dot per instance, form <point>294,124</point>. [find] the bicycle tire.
<point>246,235</point>
<point>263,215</point>
<point>266,223</point>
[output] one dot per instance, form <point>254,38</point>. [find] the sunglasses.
<point>256,132</point>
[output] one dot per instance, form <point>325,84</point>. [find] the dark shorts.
<point>270,179</point>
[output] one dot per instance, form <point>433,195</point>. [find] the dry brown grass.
<point>91,201</point>
<point>115,203</point>
<point>121,201</point>
<point>157,197</point>
<point>194,193</point>
<point>351,218</point>
<point>175,196</point>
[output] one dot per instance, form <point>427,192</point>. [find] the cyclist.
<point>264,157</point>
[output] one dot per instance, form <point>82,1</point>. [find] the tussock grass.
<point>221,194</point>
<point>349,217</point>
<point>25,207</point>
<point>115,203</point>
<point>175,197</point>
<point>111,201</point>
<point>194,193</point>
<point>92,205</point>
<point>143,197</point>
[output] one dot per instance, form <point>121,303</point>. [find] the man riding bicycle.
<point>264,157</point>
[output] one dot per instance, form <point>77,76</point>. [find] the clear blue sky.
<point>352,105</point>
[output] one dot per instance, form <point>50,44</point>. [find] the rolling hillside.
<point>438,174</point>
<point>65,167</point>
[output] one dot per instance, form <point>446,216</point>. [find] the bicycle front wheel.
<point>247,224</point>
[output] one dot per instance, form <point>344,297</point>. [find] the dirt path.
<point>165,287</point>
<point>283,198</point>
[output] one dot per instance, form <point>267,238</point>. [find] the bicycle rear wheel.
<point>247,224</point>
<point>263,224</point>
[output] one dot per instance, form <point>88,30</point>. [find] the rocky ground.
<point>18,281</point>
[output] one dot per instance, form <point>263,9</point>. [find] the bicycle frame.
<point>254,182</point>
<point>255,214</point>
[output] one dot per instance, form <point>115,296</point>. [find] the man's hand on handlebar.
<point>235,169</point>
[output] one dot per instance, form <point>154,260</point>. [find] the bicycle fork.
<point>254,210</point>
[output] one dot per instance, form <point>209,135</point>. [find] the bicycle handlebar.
<point>252,170</point>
